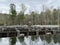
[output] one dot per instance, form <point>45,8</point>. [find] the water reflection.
<point>56,38</point>
<point>47,38</point>
<point>12,41</point>
<point>32,40</point>
<point>21,39</point>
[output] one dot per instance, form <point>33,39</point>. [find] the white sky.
<point>30,4</point>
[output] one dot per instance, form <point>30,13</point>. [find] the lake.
<point>32,40</point>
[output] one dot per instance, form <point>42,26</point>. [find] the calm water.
<point>32,40</point>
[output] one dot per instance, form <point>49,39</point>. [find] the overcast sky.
<point>30,4</point>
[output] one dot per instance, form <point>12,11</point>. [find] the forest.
<point>45,17</point>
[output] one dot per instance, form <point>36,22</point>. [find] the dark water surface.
<point>32,40</point>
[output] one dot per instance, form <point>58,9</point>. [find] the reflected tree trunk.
<point>13,41</point>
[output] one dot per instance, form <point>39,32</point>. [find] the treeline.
<point>47,17</point>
